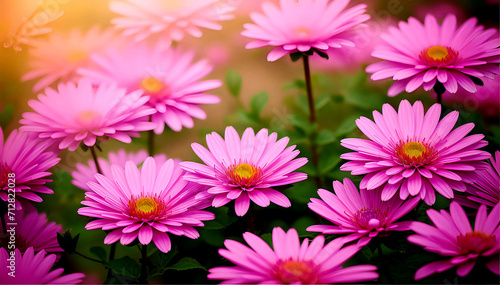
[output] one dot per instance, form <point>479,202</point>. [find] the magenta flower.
<point>245,169</point>
<point>58,57</point>
<point>168,76</point>
<point>31,268</point>
<point>453,236</point>
<point>81,114</point>
<point>168,21</point>
<point>420,55</point>
<point>290,262</point>
<point>299,26</point>
<point>413,153</point>
<point>482,186</point>
<point>360,213</point>
<point>24,162</point>
<point>84,174</point>
<point>34,230</point>
<point>145,204</point>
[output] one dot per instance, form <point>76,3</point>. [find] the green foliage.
<point>99,252</point>
<point>258,102</point>
<point>233,82</point>
<point>125,266</point>
<point>67,242</point>
<point>6,115</point>
<point>186,263</point>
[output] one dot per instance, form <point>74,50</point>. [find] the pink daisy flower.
<point>81,114</point>
<point>58,57</point>
<point>419,54</point>
<point>453,236</point>
<point>302,26</point>
<point>169,20</point>
<point>483,186</point>
<point>24,161</point>
<point>168,76</point>
<point>245,169</point>
<point>360,213</point>
<point>86,173</point>
<point>145,204</point>
<point>290,262</point>
<point>34,230</point>
<point>31,268</point>
<point>413,153</point>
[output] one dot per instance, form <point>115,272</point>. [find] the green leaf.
<point>125,266</point>
<point>258,102</point>
<point>160,259</point>
<point>268,238</point>
<point>222,219</point>
<point>364,100</point>
<point>296,56</point>
<point>321,101</point>
<point>302,192</point>
<point>233,82</point>
<point>327,162</point>
<point>298,83</point>
<point>325,137</point>
<point>187,263</point>
<point>301,224</point>
<point>302,123</point>
<point>67,242</point>
<point>347,126</point>
<point>322,54</point>
<point>6,115</point>
<point>99,252</point>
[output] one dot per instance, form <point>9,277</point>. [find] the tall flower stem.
<point>312,113</point>
<point>383,265</point>
<point>144,263</point>
<point>96,161</point>
<point>439,89</point>
<point>251,220</point>
<point>151,140</point>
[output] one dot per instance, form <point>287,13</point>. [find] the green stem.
<point>144,262</point>
<point>250,221</point>
<point>111,256</point>
<point>89,258</point>
<point>94,156</point>
<point>383,264</point>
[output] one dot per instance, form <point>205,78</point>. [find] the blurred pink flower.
<point>31,268</point>
<point>84,174</point>
<point>290,262</point>
<point>58,57</point>
<point>246,169</point>
<point>168,76</point>
<point>147,204</point>
<point>303,25</point>
<point>483,186</point>
<point>81,114</point>
<point>486,100</point>
<point>413,153</point>
<point>169,20</point>
<point>34,230</point>
<point>24,162</point>
<point>440,10</point>
<point>360,213</point>
<point>417,55</point>
<point>453,236</point>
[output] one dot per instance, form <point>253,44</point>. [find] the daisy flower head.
<point>169,20</point>
<point>482,186</point>
<point>24,163</point>
<point>169,77</point>
<point>413,152</point>
<point>34,230</point>
<point>31,268</point>
<point>76,114</point>
<point>427,54</point>
<point>146,203</point>
<point>245,169</point>
<point>86,173</point>
<point>453,236</point>
<point>360,213</point>
<point>59,56</point>
<point>290,262</point>
<point>303,26</point>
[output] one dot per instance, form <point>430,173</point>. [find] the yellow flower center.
<point>437,52</point>
<point>87,119</point>
<point>296,272</point>
<point>145,205</point>
<point>244,170</point>
<point>475,242</point>
<point>77,56</point>
<point>151,85</point>
<point>413,149</point>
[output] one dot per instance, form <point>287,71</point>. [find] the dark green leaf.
<point>364,100</point>
<point>302,191</point>
<point>160,259</point>
<point>325,137</point>
<point>476,80</point>
<point>222,219</point>
<point>187,263</point>
<point>6,115</point>
<point>322,54</point>
<point>296,56</point>
<point>99,252</point>
<point>258,102</point>
<point>298,83</point>
<point>348,125</point>
<point>301,224</point>
<point>327,161</point>
<point>233,81</point>
<point>268,238</point>
<point>302,123</point>
<point>125,266</point>
<point>67,242</point>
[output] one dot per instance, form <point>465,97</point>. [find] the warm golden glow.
<point>302,32</point>
<point>151,85</point>
<point>415,153</point>
<point>147,208</point>
<point>244,175</point>
<point>145,205</point>
<point>244,170</point>
<point>296,272</point>
<point>437,52</point>
<point>413,149</point>
<point>88,116</point>
<point>77,56</point>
